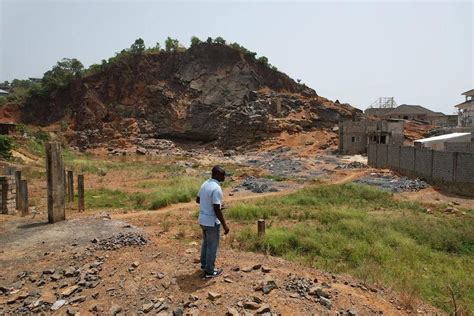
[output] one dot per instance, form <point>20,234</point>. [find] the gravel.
<point>120,240</point>
<point>394,183</point>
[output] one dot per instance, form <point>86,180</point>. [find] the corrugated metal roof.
<point>441,137</point>
<point>465,104</point>
<point>410,109</point>
<point>469,93</point>
<point>4,92</point>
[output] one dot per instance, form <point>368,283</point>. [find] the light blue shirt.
<point>209,194</point>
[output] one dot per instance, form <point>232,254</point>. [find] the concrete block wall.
<point>424,163</point>
<point>381,160</point>
<point>393,157</point>
<point>453,170</point>
<point>407,159</point>
<point>460,147</point>
<point>465,168</point>
<point>443,166</point>
<point>372,154</point>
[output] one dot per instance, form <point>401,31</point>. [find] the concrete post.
<point>24,198</point>
<point>261,227</point>
<point>80,192</point>
<point>70,186</point>
<point>17,186</point>
<point>55,177</point>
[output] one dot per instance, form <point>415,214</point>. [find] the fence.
<point>453,170</point>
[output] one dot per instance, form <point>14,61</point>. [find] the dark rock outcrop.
<point>208,93</point>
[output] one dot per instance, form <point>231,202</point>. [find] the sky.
<point>417,52</point>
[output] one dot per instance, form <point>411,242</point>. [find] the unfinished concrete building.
<point>355,136</point>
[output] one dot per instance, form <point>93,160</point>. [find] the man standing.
<point>211,218</point>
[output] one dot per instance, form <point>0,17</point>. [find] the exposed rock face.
<point>208,93</point>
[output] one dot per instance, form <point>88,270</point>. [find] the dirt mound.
<point>208,93</point>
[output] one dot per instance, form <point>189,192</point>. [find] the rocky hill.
<point>208,93</point>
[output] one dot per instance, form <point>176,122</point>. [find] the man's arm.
<point>220,216</point>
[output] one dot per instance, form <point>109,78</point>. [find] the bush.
<point>6,146</point>
<point>3,100</point>
<point>171,45</point>
<point>219,40</point>
<point>195,41</point>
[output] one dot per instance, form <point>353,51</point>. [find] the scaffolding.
<point>383,103</point>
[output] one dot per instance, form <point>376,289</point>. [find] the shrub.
<point>195,41</point>
<point>219,40</point>
<point>171,45</point>
<point>6,146</point>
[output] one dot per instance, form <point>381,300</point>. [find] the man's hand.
<point>226,229</point>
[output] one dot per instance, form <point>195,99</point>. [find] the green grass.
<point>161,193</point>
<point>364,232</point>
<point>171,191</point>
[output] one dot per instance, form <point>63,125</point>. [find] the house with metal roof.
<point>416,113</point>
<point>466,110</point>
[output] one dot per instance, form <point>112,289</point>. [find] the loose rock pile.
<point>301,287</point>
<point>257,186</point>
<point>120,240</point>
<point>69,283</point>
<point>394,183</point>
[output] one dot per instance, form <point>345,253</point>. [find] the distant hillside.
<point>210,92</point>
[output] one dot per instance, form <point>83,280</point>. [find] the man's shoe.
<point>216,273</point>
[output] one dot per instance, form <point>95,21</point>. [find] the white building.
<point>466,110</point>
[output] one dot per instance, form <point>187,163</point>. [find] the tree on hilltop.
<point>195,41</point>
<point>171,44</point>
<point>138,46</point>
<point>219,40</point>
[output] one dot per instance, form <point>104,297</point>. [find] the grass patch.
<point>176,190</point>
<point>161,193</point>
<point>364,232</point>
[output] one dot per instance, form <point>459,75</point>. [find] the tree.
<point>263,60</point>
<point>62,73</point>
<point>171,45</point>
<point>219,40</point>
<point>195,41</point>
<point>6,146</point>
<point>138,46</point>
<point>209,40</point>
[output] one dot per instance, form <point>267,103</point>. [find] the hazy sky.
<point>418,52</point>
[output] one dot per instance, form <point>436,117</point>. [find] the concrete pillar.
<point>24,198</point>
<point>80,192</point>
<point>17,187</point>
<point>70,186</point>
<point>55,177</point>
<point>8,195</point>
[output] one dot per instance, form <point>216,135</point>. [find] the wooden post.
<point>55,176</point>
<point>80,192</point>
<point>70,186</point>
<point>24,198</point>
<point>261,227</point>
<point>17,185</point>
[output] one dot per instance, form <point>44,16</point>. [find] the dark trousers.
<point>210,243</point>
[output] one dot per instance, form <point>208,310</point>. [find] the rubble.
<point>393,183</point>
<point>120,240</point>
<point>258,185</point>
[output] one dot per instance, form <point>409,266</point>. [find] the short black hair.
<point>218,170</point>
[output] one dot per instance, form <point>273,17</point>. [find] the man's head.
<point>218,173</point>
